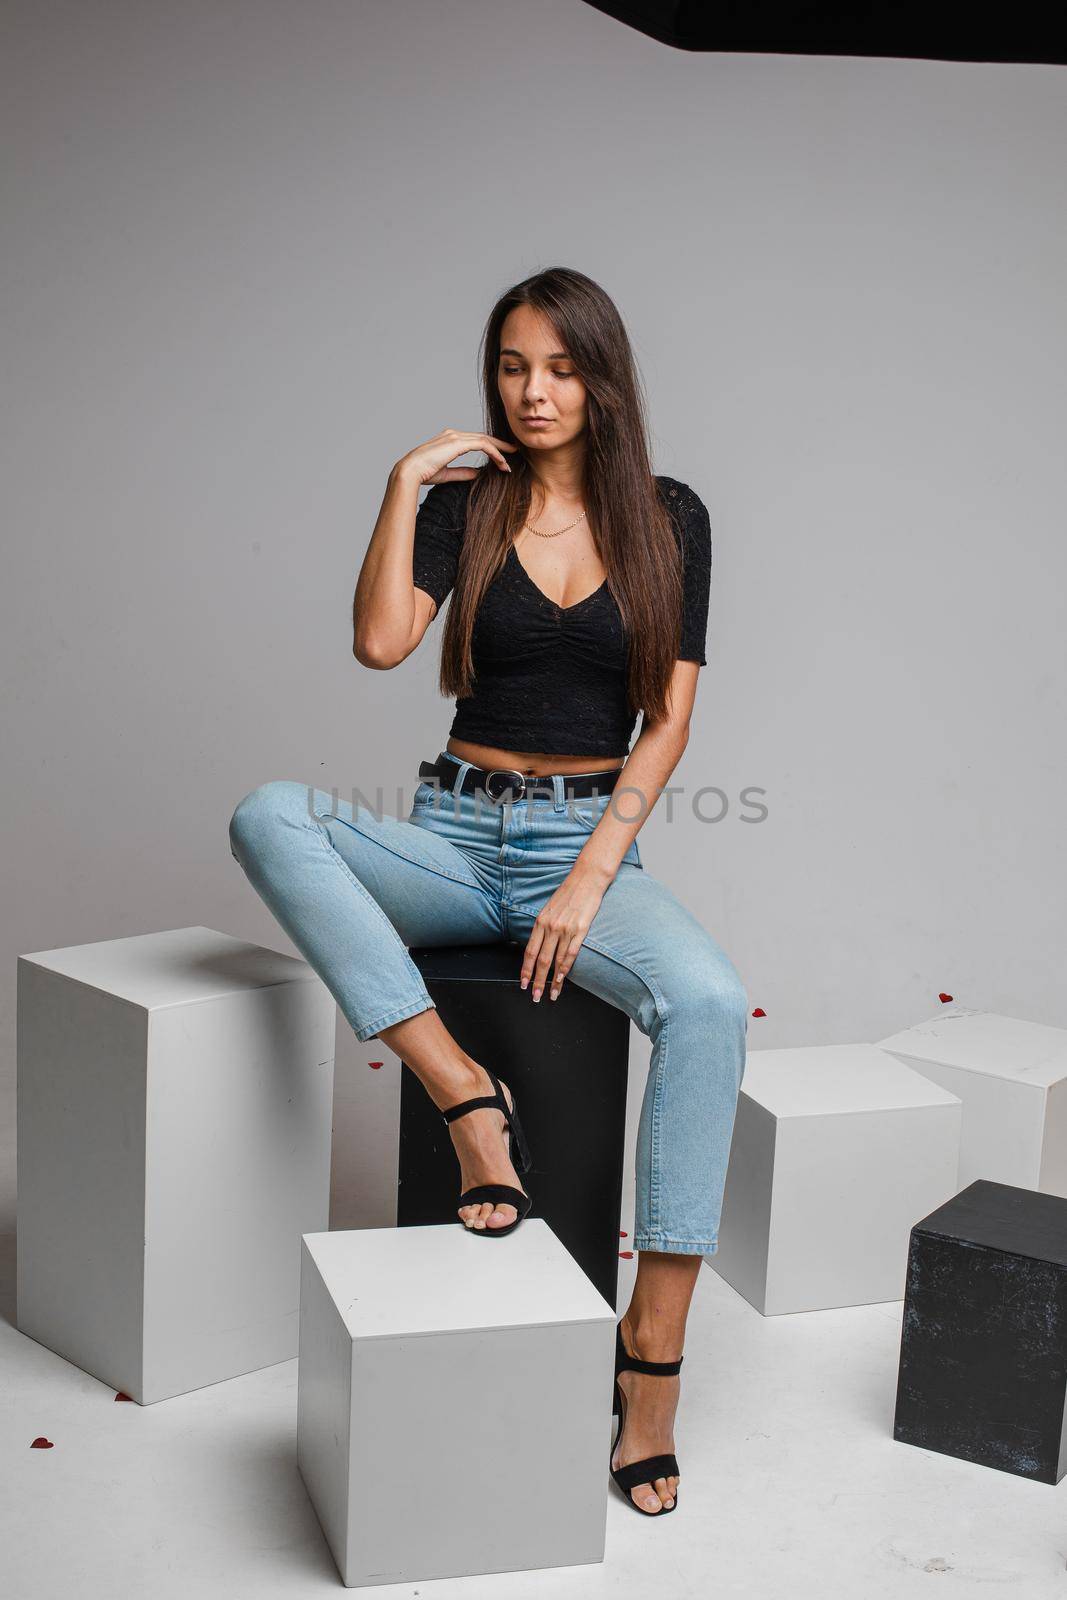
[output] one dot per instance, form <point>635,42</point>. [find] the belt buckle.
<point>492,771</point>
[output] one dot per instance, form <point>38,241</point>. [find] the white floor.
<point>793,1484</point>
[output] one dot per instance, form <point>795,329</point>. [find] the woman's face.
<point>537,378</point>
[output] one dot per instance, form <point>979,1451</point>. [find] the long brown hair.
<point>627,517</point>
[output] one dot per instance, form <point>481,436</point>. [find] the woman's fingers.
<point>557,935</point>
<point>441,450</point>
<point>479,441</point>
<point>533,945</point>
<point>493,448</point>
<point>548,945</point>
<point>540,949</point>
<point>444,473</point>
<point>565,963</point>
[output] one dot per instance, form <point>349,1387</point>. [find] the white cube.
<point>1012,1079</point>
<point>453,1401</point>
<point>837,1151</point>
<point>175,1096</point>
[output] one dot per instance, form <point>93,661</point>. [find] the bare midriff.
<point>530,764</point>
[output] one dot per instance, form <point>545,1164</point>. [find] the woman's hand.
<point>559,929</point>
<point>428,463</point>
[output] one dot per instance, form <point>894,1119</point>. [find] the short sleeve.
<point>439,525</point>
<point>692,523</point>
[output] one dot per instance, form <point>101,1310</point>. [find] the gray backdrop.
<point>249,250</point>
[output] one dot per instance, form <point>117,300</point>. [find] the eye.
<point>556,374</point>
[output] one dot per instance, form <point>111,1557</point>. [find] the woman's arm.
<point>563,922</point>
<point>645,774</point>
<point>659,746</point>
<point>389,613</point>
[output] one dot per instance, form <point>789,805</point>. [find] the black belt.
<point>576,785</point>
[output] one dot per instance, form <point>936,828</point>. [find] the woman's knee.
<point>260,811</point>
<point>713,996</point>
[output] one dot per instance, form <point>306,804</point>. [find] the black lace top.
<point>552,679</point>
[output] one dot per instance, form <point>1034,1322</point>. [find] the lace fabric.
<point>552,678</point>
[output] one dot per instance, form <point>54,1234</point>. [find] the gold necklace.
<point>558,531</point>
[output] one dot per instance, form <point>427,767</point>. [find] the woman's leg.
<point>648,955</point>
<point>353,891</point>
<point>653,1329</point>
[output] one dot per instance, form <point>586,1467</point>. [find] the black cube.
<point>983,1353</point>
<point>566,1062</point>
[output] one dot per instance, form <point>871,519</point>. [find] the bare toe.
<point>481,1164</point>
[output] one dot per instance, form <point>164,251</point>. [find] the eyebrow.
<point>557,355</point>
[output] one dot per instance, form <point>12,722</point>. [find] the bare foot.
<point>651,1402</point>
<point>481,1143</point>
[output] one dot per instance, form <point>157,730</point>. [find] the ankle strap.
<point>655,1369</point>
<point>496,1100</point>
<point>624,1362</point>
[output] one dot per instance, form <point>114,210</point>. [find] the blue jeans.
<point>354,891</point>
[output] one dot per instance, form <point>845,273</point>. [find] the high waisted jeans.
<point>354,891</point>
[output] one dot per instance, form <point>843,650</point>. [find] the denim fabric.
<point>354,891</point>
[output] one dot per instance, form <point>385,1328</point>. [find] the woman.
<point>581,595</point>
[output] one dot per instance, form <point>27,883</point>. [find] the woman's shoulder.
<point>678,496</point>
<point>688,513</point>
<point>446,503</point>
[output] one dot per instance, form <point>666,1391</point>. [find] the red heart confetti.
<point>944,998</point>
<point>122,1395</point>
<point>42,1444</point>
<point>375,1065</point>
<point>626,1255</point>
<point>759,1012</point>
<point>622,1233</point>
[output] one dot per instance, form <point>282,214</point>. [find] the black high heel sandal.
<point>519,1157</point>
<point>652,1467</point>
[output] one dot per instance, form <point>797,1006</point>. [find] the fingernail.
<point>537,995</point>
<point>524,983</point>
